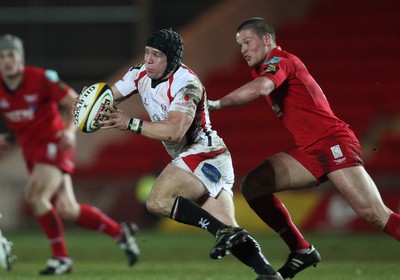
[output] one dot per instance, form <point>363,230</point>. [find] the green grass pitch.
<point>184,256</point>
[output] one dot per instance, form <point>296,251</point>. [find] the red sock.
<point>392,226</point>
<point>52,226</point>
<point>92,218</point>
<point>272,211</point>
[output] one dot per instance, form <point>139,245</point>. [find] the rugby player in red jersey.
<point>29,102</point>
<point>327,148</point>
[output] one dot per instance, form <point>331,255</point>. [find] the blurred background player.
<point>29,102</point>
<point>6,255</point>
<point>196,187</point>
<point>326,147</point>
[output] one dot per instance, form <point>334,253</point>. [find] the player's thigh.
<point>44,181</point>
<point>290,174</point>
<point>279,172</point>
<point>171,183</point>
<point>66,202</point>
<point>221,207</point>
<point>360,190</point>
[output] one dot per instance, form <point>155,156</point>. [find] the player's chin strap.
<point>135,125</point>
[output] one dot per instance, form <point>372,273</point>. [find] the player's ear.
<point>268,38</point>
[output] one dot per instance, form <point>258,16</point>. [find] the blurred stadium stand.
<point>351,49</point>
<point>357,74</point>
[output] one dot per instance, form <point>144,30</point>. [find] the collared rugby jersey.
<point>182,92</point>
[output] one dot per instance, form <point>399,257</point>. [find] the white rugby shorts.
<point>214,169</point>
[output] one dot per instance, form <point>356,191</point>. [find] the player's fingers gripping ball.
<point>92,101</point>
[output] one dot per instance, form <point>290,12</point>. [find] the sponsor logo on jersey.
<point>52,76</point>
<point>20,115</point>
<point>62,85</point>
<point>336,151</point>
<point>272,69</point>
<point>273,60</point>
<point>137,66</point>
<point>339,160</point>
<point>31,98</point>
<point>188,105</point>
<point>211,172</point>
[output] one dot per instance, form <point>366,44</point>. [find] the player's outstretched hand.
<point>213,105</point>
<point>116,118</point>
<point>67,139</point>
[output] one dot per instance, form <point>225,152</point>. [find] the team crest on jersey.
<point>272,69</point>
<point>156,118</point>
<point>4,104</point>
<point>31,98</point>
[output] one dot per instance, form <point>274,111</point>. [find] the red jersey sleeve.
<point>56,88</point>
<point>297,100</point>
<point>276,69</point>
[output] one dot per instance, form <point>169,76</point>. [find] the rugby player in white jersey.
<point>6,256</point>
<point>196,187</point>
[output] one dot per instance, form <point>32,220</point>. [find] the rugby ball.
<point>91,102</point>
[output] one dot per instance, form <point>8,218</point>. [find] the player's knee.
<point>253,186</point>
<point>245,187</point>
<point>155,207</point>
<point>68,213</point>
<point>33,196</point>
<point>259,182</point>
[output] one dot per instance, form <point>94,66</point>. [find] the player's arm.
<point>261,86</point>
<point>118,97</point>
<point>67,136</point>
<point>171,130</point>
<point>123,88</point>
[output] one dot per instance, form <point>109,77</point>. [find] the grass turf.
<point>184,256</point>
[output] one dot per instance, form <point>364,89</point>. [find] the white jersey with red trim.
<point>182,92</point>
